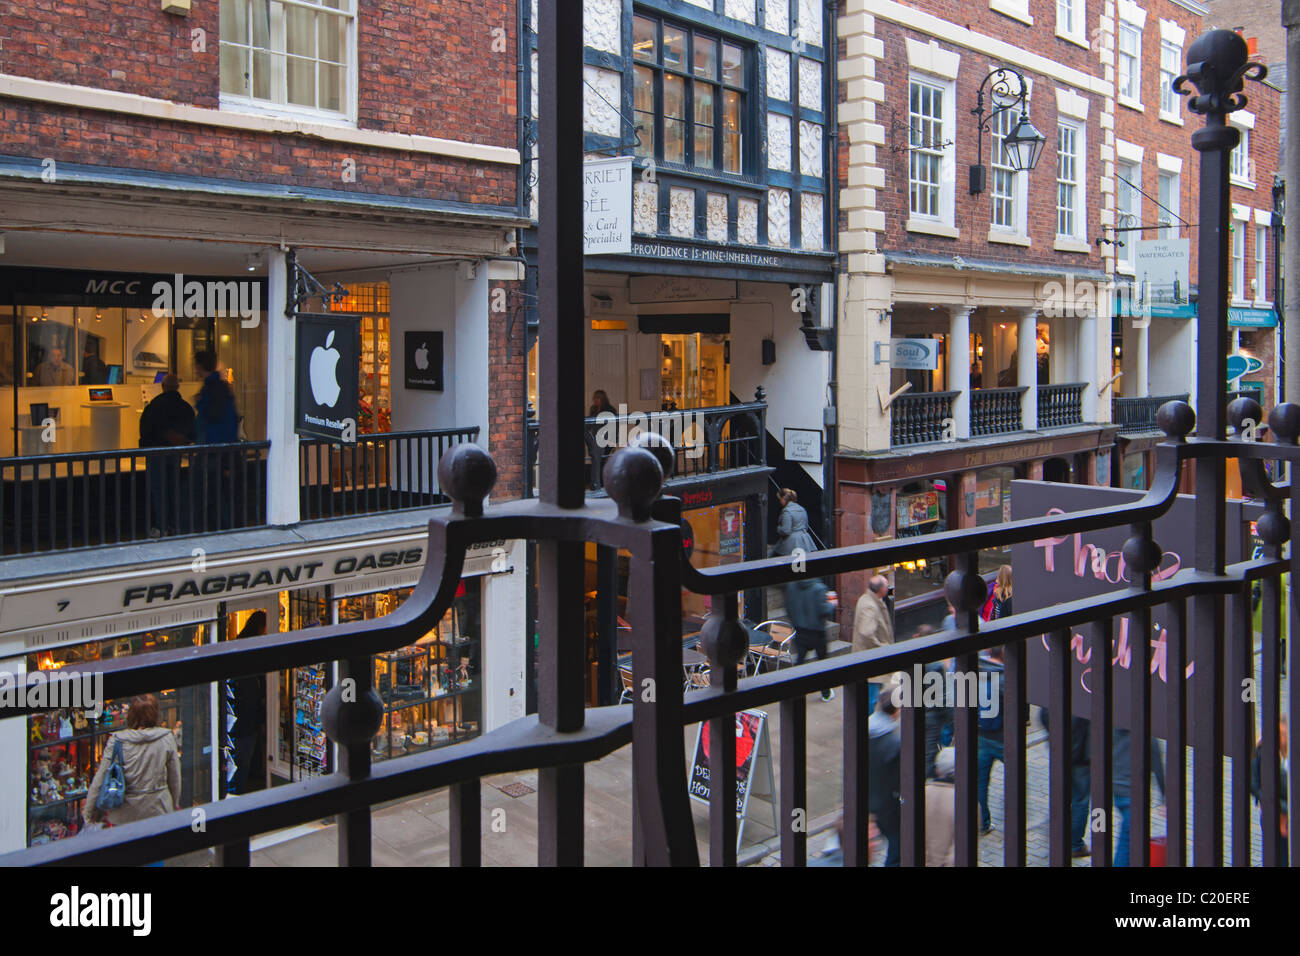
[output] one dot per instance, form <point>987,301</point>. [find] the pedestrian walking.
<point>989,732</point>
<point>809,607</point>
<point>1257,787</point>
<point>792,527</point>
<point>873,627</point>
<point>941,811</point>
<point>884,746</point>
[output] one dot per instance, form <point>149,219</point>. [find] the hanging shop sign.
<point>327,376</point>
<point>1239,365</point>
<point>607,206</point>
<point>423,361</point>
<point>1246,317</point>
<point>1163,274</point>
<point>803,444</point>
<point>914,354</point>
<point>918,509</point>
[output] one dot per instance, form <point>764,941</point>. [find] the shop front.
<point>897,496</point>
<point>86,351</point>
<point>461,677</point>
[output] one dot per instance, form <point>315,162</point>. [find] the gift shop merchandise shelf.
<point>65,746</point>
<point>430,690</point>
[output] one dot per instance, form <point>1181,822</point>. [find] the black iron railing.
<point>648,528</point>
<point>995,411</point>
<point>1060,405</point>
<point>390,471</point>
<point>91,499</point>
<point>565,735</point>
<point>917,419</point>
<point>704,440</point>
<point>1139,414</point>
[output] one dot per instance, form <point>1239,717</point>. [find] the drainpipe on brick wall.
<point>830,416</point>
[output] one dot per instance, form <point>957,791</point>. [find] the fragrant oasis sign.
<point>607,206</point>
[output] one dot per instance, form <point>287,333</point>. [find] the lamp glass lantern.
<point>1024,145</point>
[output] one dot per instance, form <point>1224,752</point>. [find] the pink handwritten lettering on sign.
<point>1104,565</point>
<point>1123,653</point>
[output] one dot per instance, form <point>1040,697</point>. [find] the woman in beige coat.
<point>151,763</point>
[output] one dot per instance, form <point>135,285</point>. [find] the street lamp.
<point>1023,144</point>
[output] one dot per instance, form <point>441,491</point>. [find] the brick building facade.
<point>378,143</point>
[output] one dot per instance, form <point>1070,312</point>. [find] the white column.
<point>959,368</point>
<point>1027,368</point>
<point>1090,366</point>
<point>16,778</point>
<point>1143,362</point>
<point>281,359</point>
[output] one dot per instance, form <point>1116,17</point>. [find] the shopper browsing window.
<point>151,764</point>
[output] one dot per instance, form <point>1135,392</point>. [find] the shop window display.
<point>920,508</point>
<point>431,690</point>
<point>992,505</point>
<point>65,746</point>
<point>301,747</point>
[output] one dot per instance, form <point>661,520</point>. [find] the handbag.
<point>112,792</point>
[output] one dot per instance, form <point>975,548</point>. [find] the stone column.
<point>1027,368</point>
<point>959,368</point>
<point>1090,366</point>
<point>1143,362</point>
<point>282,460</point>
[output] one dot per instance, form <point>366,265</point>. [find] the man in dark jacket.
<point>217,424</point>
<point>990,731</point>
<point>167,421</point>
<point>807,606</point>
<point>884,745</point>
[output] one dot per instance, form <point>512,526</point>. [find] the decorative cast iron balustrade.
<point>1060,405</point>
<point>389,471</point>
<point>705,440</point>
<point>647,527</point>
<point>91,499</point>
<point>995,411</point>
<point>920,418</point>
<point>1139,414</point>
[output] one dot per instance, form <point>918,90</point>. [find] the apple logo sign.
<point>422,356</point>
<point>324,373</point>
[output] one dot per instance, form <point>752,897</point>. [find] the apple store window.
<point>80,376</point>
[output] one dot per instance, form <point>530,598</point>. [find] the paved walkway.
<point>414,832</point>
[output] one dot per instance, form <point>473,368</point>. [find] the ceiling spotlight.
<point>254,261</point>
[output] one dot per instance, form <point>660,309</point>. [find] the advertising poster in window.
<point>729,533</point>
<point>918,509</point>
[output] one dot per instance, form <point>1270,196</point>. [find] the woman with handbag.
<point>149,762</point>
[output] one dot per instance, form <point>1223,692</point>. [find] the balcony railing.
<point>995,411</point>
<point>390,471</point>
<point>921,418</point>
<point>705,440</point>
<point>1060,405</point>
<point>648,528</point>
<point>91,499</point>
<point>1139,414</point>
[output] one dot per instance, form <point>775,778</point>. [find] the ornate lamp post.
<point>1007,90</point>
<point>1217,63</point>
